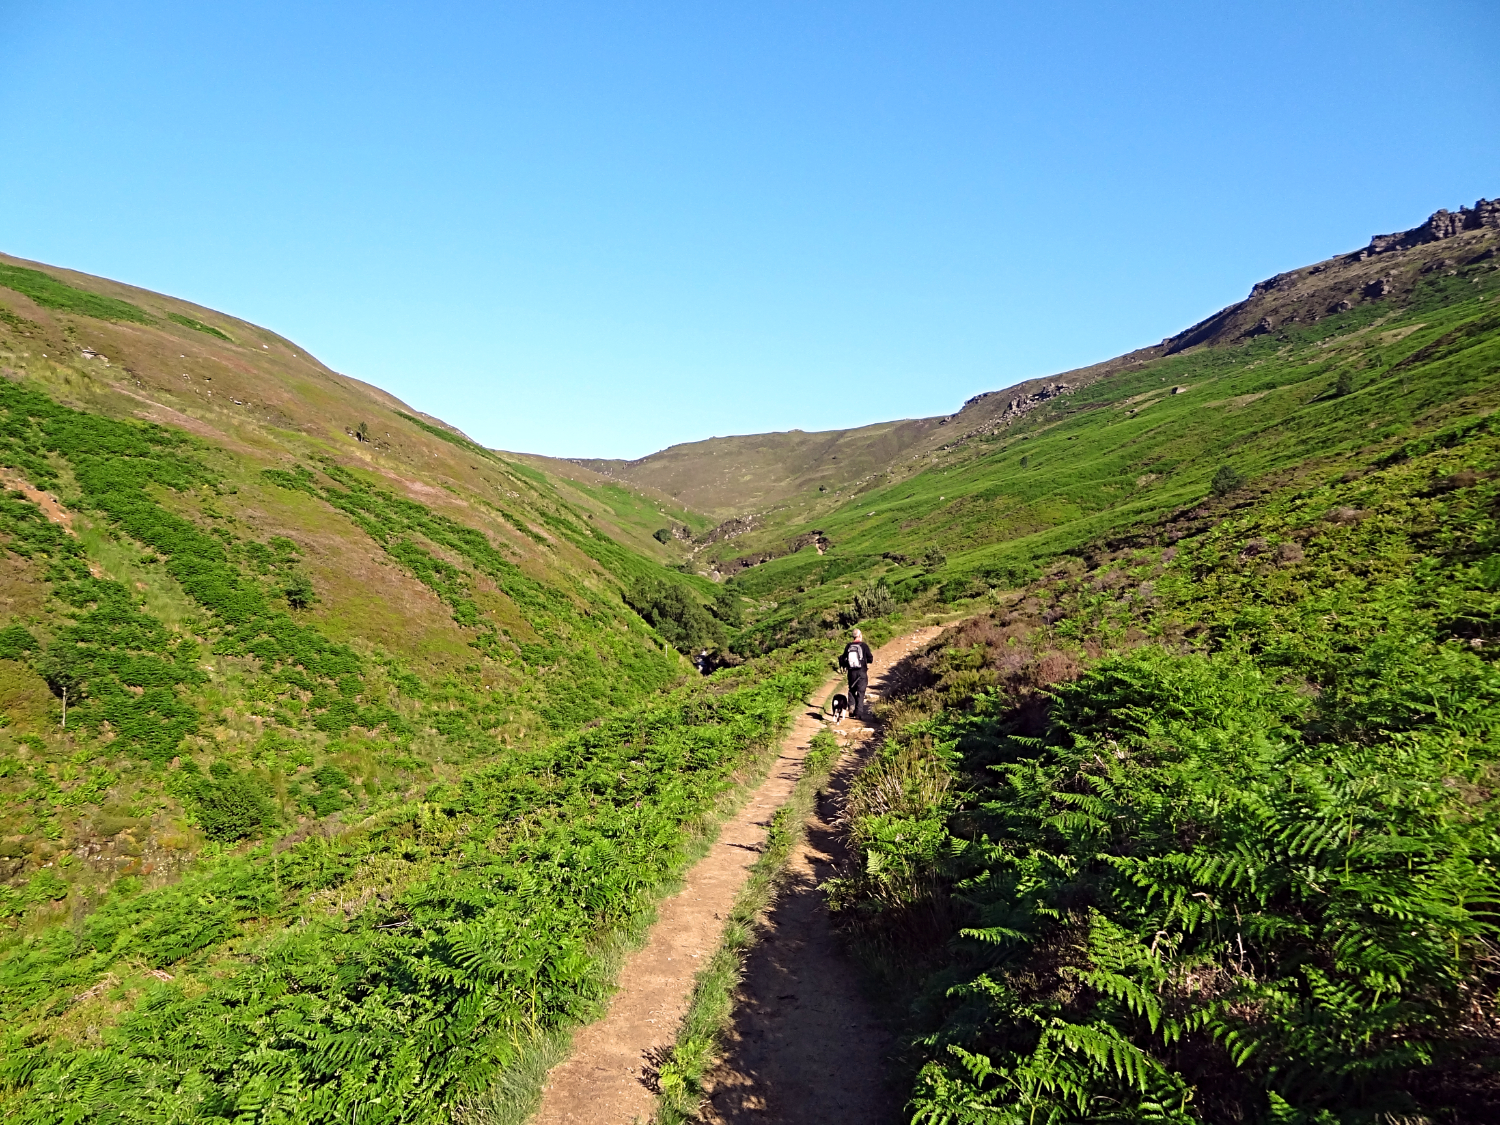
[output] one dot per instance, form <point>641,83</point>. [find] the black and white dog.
<point>840,706</point>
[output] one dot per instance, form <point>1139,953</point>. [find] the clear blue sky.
<point>602,228</point>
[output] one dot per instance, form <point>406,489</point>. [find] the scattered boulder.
<point>1464,478</point>
<point>1110,580</point>
<point>729,529</point>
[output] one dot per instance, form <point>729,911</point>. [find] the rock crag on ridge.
<point>1440,225</point>
<point>1389,266</point>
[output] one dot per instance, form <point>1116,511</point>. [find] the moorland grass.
<point>50,293</point>
<point>1205,833</point>
<point>1101,462</point>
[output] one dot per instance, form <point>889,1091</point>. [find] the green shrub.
<point>16,641</point>
<point>332,786</point>
<point>233,805</point>
<point>298,591</point>
<point>198,326</point>
<point>1225,481</point>
<point>675,614</point>
<point>53,294</point>
<point>329,776</point>
<point>727,606</point>
<point>876,601</point>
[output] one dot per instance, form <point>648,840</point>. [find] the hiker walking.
<point>856,660</point>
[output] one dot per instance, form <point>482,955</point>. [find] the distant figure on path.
<point>857,659</point>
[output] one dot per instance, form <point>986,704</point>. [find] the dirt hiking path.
<point>806,1047</point>
<point>604,1081</point>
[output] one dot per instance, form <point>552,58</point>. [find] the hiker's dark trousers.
<point>859,683</point>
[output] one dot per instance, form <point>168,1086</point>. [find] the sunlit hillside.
<point>343,756</point>
<point>1343,359</point>
<point>236,558</point>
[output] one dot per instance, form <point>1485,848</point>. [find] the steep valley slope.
<point>777,479</point>
<point>221,554</point>
<point>334,761</point>
<point>1190,816</point>
<point>1356,352</point>
<point>339,751</point>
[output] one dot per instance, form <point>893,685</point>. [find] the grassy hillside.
<point>339,752</point>
<point>1204,829</point>
<point>637,511</point>
<point>777,486</point>
<point>733,476</point>
<point>318,717</point>
<point>1146,439</point>
<point>271,596</point>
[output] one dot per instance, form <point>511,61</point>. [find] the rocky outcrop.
<point>1015,408</point>
<point>729,529</point>
<point>1440,225</point>
<point>1337,285</point>
<point>807,539</point>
